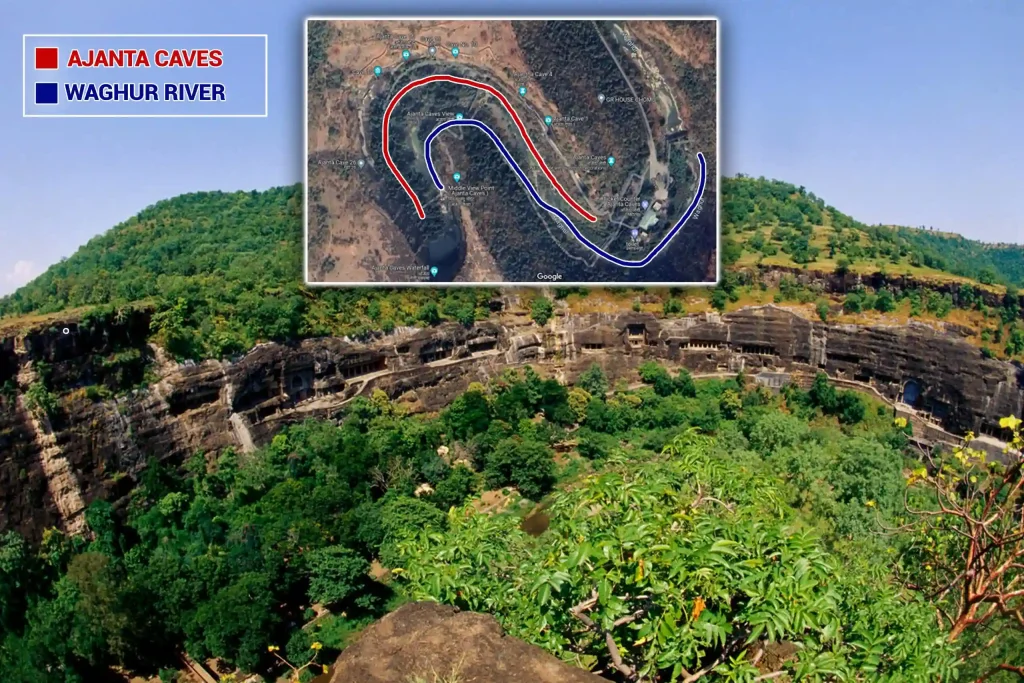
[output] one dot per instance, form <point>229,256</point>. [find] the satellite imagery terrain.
<point>512,152</point>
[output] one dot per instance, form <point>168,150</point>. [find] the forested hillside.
<point>223,271</point>
<point>689,531</point>
<point>775,222</point>
<point>685,531</point>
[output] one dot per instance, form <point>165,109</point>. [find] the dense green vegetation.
<point>694,524</point>
<point>774,216</point>
<point>689,529</point>
<point>223,272</point>
<point>571,87</point>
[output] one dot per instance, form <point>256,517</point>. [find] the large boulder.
<point>431,643</point>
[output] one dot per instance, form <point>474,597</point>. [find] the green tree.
<point>16,572</point>
<point>593,381</point>
<point>884,301</point>
<point>866,478</point>
<point>525,464</point>
<point>541,310</point>
<point>854,302</point>
<point>428,313</point>
<point>684,384</point>
<point>654,597</point>
<point>578,402</point>
<point>41,401</point>
<point>774,431</point>
<point>1010,310</point>
<point>468,414</point>
<point>336,574</point>
<point>657,376</point>
<point>594,445</point>
<point>940,304</point>
<point>730,404</point>
<point>401,517</point>
<point>455,488</point>
<point>719,298</point>
<point>823,394</point>
<point>1015,342</point>
<point>850,407</point>
<point>236,622</point>
<point>100,603</point>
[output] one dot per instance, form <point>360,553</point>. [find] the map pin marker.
<point>433,271</point>
<point>644,204</point>
<point>456,176</point>
<point>600,98</point>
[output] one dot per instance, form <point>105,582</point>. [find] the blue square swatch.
<point>46,93</point>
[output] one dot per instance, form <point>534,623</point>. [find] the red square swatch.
<point>46,58</point>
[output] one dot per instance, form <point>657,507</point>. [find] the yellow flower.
<point>272,648</point>
<point>870,503</point>
<point>698,607</point>
<point>326,670</point>
<point>316,646</point>
<point>1010,422</point>
<point>900,422</point>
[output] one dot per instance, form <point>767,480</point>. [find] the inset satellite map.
<point>512,152</point>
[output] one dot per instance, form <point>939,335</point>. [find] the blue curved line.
<point>552,210</point>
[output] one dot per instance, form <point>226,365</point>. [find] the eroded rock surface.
<point>428,642</point>
<point>242,403</point>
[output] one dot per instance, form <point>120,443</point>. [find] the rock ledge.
<point>432,643</point>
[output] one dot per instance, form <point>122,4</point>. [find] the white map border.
<point>435,284</point>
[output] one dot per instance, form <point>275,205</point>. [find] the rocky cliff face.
<point>831,282</point>
<point>50,468</point>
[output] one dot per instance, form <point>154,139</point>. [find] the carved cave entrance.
<point>912,392</point>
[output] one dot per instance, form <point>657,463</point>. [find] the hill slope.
<point>778,223</point>
<point>222,271</point>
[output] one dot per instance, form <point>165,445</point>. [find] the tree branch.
<point>613,652</point>
<point>1019,670</point>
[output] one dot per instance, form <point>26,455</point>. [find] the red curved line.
<point>508,107</point>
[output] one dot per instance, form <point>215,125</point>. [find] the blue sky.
<point>893,111</point>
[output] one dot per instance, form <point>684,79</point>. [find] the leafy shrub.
<point>541,310</point>
<point>524,463</point>
<point>41,401</point>
<point>626,581</point>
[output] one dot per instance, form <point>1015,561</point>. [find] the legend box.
<point>145,75</point>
